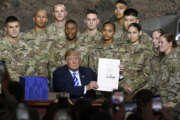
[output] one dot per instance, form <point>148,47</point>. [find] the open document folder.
<point>108,74</point>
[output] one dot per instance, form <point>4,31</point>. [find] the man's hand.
<point>92,85</point>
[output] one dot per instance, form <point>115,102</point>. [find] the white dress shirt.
<point>78,77</point>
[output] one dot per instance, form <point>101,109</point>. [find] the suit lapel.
<point>70,78</point>
<point>82,76</point>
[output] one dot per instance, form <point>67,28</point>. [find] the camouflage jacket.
<point>119,30</point>
<point>2,33</point>
<point>168,80</point>
<point>90,42</point>
<point>103,51</point>
<point>33,35</point>
<point>13,53</point>
<point>55,32</point>
<point>36,61</point>
<point>154,69</point>
<point>136,66</point>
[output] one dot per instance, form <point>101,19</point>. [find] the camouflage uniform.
<point>110,51</point>
<point>33,35</point>
<point>89,41</point>
<point>55,32</point>
<point>2,33</point>
<point>36,61</point>
<point>103,51</point>
<point>57,53</point>
<point>119,30</point>
<point>136,66</point>
<point>13,53</point>
<point>154,69</point>
<point>168,82</point>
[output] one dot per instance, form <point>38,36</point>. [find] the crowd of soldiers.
<point>145,62</point>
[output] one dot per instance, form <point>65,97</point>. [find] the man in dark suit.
<point>78,81</point>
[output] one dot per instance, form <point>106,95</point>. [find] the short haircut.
<point>11,19</point>
<point>71,21</point>
<point>109,22</point>
<point>40,10</point>
<point>91,11</point>
<point>136,25</point>
<point>131,12</point>
<point>59,4</point>
<point>71,51</point>
<point>122,2</point>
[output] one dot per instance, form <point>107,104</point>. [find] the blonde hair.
<point>72,51</point>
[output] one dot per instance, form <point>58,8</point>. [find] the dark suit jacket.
<point>63,82</point>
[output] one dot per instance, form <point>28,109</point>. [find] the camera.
<point>130,107</point>
<point>117,99</point>
<point>117,96</point>
<point>156,103</point>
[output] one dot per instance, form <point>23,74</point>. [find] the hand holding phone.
<point>156,104</point>
<point>117,97</point>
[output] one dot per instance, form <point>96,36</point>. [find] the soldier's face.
<point>73,61</point>
<point>164,45</point>
<point>108,32</point>
<point>130,19</point>
<point>155,39</point>
<point>13,29</point>
<point>60,12</point>
<point>92,21</point>
<point>133,34</point>
<point>119,10</point>
<point>40,19</point>
<point>71,31</point>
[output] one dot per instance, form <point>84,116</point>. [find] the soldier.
<point>56,29</point>
<point>168,82</point>
<point>135,61</point>
<point>71,40</point>
<point>13,48</point>
<point>155,40</point>
<point>39,31</point>
<point>120,7</point>
<point>155,60</point>
<point>36,62</point>
<point>106,48</point>
<point>91,36</point>
<point>131,16</point>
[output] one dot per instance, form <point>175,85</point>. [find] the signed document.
<point>108,74</point>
